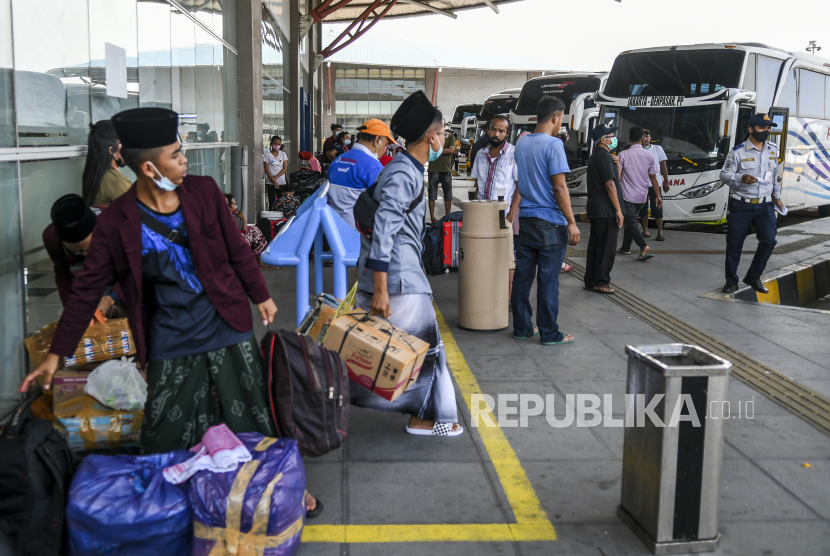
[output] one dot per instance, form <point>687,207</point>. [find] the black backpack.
<point>308,389</point>
<point>366,206</point>
<point>36,466</point>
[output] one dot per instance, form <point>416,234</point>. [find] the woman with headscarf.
<point>341,144</point>
<point>102,182</point>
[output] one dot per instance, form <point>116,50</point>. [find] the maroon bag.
<point>308,389</point>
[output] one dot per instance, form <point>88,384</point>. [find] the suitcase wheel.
<point>446,269</point>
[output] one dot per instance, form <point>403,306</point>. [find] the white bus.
<point>577,91</point>
<point>696,101</point>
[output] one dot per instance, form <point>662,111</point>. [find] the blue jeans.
<point>741,215</point>
<point>540,251</point>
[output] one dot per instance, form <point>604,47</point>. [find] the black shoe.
<point>729,288</point>
<point>756,285</point>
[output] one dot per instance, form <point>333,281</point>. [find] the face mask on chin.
<point>496,142</point>
<point>433,155</point>
<point>163,182</point>
<point>761,136</point>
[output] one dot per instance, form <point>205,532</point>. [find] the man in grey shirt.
<point>391,279</point>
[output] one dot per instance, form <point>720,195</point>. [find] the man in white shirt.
<point>274,160</point>
<point>656,212</point>
<point>496,175</point>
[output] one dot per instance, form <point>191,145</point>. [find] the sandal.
<point>559,343</point>
<point>645,257</point>
<point>438,429</point>
<point>646,234</point>
<point>535,333</point>
<point>660,237</point>
<point>318,509</point>
<point>605,290</point>
<point>621,252</point>
<point>566,268</point>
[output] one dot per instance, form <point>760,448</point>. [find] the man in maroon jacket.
<point>186,274</point>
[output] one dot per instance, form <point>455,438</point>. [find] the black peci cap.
<point>72,218</point>
<point>760,120</point>
<point>147,128</point>
<point>414,116</point>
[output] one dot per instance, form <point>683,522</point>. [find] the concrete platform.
<point>460,495</point>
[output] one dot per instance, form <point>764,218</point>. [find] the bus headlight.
<point>702,190</point>
<point>575,175</point>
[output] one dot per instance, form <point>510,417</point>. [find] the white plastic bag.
<point>118,384</point>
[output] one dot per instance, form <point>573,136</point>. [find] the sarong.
<point>188,395</point>
<point>432,397</point>
<point>256,240</point>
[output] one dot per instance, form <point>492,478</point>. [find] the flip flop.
<point>646,234</point>
<point>558,343</point>
<point>318,509</point>
<point>599,289</point>
<point>535,333</point>
<point>438,429</point>
<point>660,237</point>
<point>644,257</point>
<point>621,252</point>
<point>566,268</point>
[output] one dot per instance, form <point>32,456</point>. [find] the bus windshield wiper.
<point>680,154</point>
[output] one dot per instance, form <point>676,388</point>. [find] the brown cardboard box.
<point>88,424</point>
<point>326,313</point>
<point>68,384</point>
<point>101,342</point>
<point>379,356</point>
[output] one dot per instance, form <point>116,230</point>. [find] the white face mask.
<point>162,182</point>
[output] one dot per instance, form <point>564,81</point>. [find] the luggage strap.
<point>164,231</point>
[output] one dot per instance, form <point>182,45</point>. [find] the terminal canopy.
<point>409,8</point>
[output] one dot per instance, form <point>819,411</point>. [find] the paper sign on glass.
<point>116,70</point>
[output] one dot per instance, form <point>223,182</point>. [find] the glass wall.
<point>274,60</point>
<point>65,64</point>
<point>363,93</point>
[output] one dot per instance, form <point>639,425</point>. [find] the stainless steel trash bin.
<point>671,473</point>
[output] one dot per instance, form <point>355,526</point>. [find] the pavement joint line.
<point>532,523</point>
<point>781,389</point>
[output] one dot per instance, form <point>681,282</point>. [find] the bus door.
<point>789,181</point>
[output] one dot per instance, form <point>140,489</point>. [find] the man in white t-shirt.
<point>275,162</point>
<point>656,212</point>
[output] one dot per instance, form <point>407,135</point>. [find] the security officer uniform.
<point>751,204</point>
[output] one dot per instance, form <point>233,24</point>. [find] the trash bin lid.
<point>679,360</point>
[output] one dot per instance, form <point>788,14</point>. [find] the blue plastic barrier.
<point>296,238</point>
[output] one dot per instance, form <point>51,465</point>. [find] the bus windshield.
<point>465,111</point>
<point>577,155</point>
<point>565,89</point>
<point>688,73</point>
<point>495,106</point>
<point>690,132</point>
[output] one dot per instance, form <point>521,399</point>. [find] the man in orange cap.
<point>357,169</point>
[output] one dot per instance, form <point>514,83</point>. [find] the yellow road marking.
<point>532,523</point>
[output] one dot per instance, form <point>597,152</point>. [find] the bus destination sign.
<point>656,102</point>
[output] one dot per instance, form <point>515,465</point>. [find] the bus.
<point>462,111</point>
<point>577,91</point>
<point>471,127</point>
<point>696,101</point>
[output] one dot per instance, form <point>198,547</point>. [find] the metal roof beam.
<point>426,6</point>
<point>492,6</point>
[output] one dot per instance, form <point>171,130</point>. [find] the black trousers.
<point>741,216</point>
<point>632,230</point>
<point>602,249</point>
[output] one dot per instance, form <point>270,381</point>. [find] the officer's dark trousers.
<point>741,216</point>
<point>602,249</point>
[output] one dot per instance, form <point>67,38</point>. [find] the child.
<point>288,204</point>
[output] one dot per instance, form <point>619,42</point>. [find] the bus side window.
<point>749,76</point>
<point>778,134</point>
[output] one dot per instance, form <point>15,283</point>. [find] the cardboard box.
<point>101,342</point>
<point>88,425</point>
<point>68,384</point>
<point>379,357</point>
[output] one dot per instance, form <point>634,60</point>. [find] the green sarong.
<point>188,395</point>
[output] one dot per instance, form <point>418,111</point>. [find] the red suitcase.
<point>450,244</point>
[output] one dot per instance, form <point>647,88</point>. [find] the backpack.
<point>366,206</point>
<point>308,389</point>
<point>36,467</point>
<point>432,253</point>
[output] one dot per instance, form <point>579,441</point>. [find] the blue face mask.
<point>433,155</point>
<point>613,144</point>
<point>163,183</point>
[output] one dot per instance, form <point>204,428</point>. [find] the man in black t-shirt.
<point>604,202</point>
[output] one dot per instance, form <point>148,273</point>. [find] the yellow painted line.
<point>773,297</point>
<point>532,523</point>
<point>806,279</point>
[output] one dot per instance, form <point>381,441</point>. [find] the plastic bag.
<point>266,514</point>
<point>118,384</point>
<point>122,506</point>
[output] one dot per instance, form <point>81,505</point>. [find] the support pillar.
<point>249,46</point>
<point>292,107</point>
